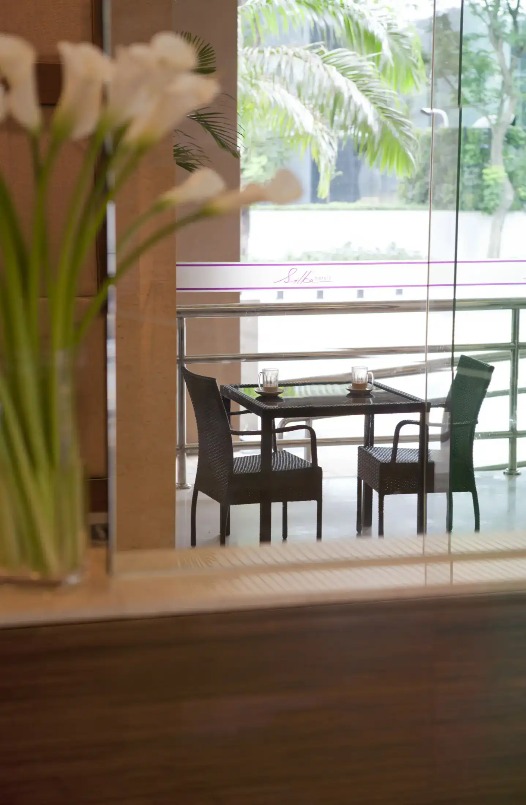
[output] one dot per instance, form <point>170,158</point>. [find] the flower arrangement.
<point>122,107</point>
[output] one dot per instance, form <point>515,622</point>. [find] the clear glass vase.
<point>43,517</point>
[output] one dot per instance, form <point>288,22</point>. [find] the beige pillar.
<point>145,337</point>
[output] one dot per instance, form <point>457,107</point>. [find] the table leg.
<point>421,525</point>
<point>368,440</point>
<point>265,507</point>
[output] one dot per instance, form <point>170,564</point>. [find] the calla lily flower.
<point>173,51</point>
<point>134,85</point>
<point>185,94</point>
<point>201,186</point>
<point>85,72</point>
<point>17,63</point>
<point>283,188</point>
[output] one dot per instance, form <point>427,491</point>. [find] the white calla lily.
<point>200,186</point>
<point>17,67</point>
<point>85,72</point>
<point>134,86</point>
<point>186,93</point>
<point>283,188</point>
<point>174,51</point>
<point>143,72</point>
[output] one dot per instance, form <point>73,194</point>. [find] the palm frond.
<point>336,18</point>
<point>188,157</point>
<point>206,57</point>
<point>348,93</point>
<point>268,106</point>
<point>219,127</point>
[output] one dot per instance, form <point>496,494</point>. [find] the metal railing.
<point>494,351</point>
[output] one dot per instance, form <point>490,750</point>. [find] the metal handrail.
<point>497,351</point>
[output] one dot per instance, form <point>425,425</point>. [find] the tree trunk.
<point>245,231</point>
<point>499,217</point>
<point>507,194</point>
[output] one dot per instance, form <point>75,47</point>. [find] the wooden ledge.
<point>273,581</point>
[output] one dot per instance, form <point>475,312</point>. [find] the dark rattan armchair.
<point>395,470</point>
<point>232,481</point>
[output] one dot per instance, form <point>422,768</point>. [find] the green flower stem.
<point>94,218</point>
<point>99,300</point>
<point>141,219</point>
<point>28,485</point>
<point>12,222</point>
<point>20,355</point>
<point>38,257</point>
<point>78,209</point>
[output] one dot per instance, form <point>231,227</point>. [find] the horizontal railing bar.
<point>336,441</point>
<point>354,352</point>
<point>237,309</point>
<point>493,467</point>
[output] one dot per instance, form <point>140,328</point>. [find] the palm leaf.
<point>330,18</point>
<point>219,127</point>
<point>348,93</point>
<point>188,157</point>
<point>206,57</point>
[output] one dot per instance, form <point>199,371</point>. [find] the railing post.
<point>181,482</point>
<point>514,392</point>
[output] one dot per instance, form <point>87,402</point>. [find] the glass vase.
<point>43,516</point>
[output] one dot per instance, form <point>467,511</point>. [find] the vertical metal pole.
<point>181,482</point>
<point>514,392</point>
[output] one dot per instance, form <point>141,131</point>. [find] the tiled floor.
<point>502,506</point>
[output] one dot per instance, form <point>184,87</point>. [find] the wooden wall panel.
<point>44,22</point>
<point>418,702</point>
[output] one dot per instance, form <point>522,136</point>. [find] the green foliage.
<point>348,252</point>
<point>492,182</point>
<point>187,153</point>
<point>480,184</point>
<point>318,95</point>
<point>264,157</point>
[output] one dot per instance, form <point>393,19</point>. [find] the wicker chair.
<point>395,471</point>
<point>232,481</point>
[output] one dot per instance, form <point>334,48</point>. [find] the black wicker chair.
<point>232,481</point>
<point>395,471</point>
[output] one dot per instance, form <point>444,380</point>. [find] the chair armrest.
<point>313,441</point>
<point>397,435</point>
<point>245,432</point>
<point>437,402</point>
<point>238,413</point>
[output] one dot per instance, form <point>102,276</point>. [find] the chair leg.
<point>367,515</point>
<point>319,510</point>
<point>285,525</point>
<point>449,514</point>
<point>224,530</point>
<point>192,517</point>
<point>380,515</point>
<point>359,506</point>
<point>476,508</point>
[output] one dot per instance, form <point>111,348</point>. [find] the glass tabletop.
<point>323,396</point>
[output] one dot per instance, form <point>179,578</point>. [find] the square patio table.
<point>314,400</point>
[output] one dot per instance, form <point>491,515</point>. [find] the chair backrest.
<point>216,455</point>
<point>462,406</point>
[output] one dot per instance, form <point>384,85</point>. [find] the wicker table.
<point>311,400</point>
